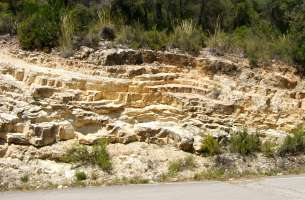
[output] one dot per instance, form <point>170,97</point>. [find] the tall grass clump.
<point>179,165</point>
<point>187,37</point>
<point>103,28</point>
<point>219,40</point>
<point>210,146</point>
<point>294,143</point>
<point>243,143</point>
<point>268,148</point>
<point>66,39</point>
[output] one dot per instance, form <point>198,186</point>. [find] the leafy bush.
<point>7,19</point>
<point>293,144</point>
<point>7,23</point>
<point>187,37</point>
<point>243,143</point>
<point>81,17</point>
<point>297,27</point>
<point>180,165</point>
<point>210,146</point>
<point>98,155</point>
<point>155,39</point>
<point>80,175</point>
<point>257,43</point>
<point>39,30</point>
<point>77,153</point>
<point>137,37</point>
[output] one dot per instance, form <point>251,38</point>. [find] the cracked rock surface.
<point>164,99</point>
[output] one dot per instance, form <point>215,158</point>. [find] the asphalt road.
<point>277,188</point>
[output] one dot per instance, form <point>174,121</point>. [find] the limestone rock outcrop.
<point>153,97</point>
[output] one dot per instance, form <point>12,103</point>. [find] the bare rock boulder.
<point>17,138</point>
<point>42,134</point>
<point>65,131</point>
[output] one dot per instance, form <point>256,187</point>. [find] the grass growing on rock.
<point>80,176</point>
<point>97,155</point>
<point>244,143</point>
<point>268,149</point>
<point>293,144</point>
<point>132,180</point>
<point>210,146</point>
<point>177,166</point>
<point>24,179</point>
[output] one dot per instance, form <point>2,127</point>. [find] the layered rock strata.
<point>153,97</point>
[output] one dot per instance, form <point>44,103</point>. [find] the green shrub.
<point>80,175</point>
<point>297,27</point>
<point>155,39</point>
<point>24,179</point>
<point>39,30</point>
<point>136,37</point>
<point>187,37</point>
<point>243,143</point>
<point>293,144</point>
<point>81,17</point>
<point>210,146</point>
<point>131,36</point>
<point>7,19</point>
<point>177,166</point>
<point>268,148</point>
<point>77,153</point>
<point>98,155</point>
<point>257,43</point>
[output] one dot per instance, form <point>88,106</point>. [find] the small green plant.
<point>244,143</point>
<point>210,146</point>
<point>76,153</point>
<point>97,155</point>
<point>80,175</point>
<point>24,179</point>
<point>268,148</point>
<point>293,144</point>
<point>101,156</point>
<point>177,166</point>
<point>212,174</point>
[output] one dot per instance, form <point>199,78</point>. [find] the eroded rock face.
<point>153,97</point>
